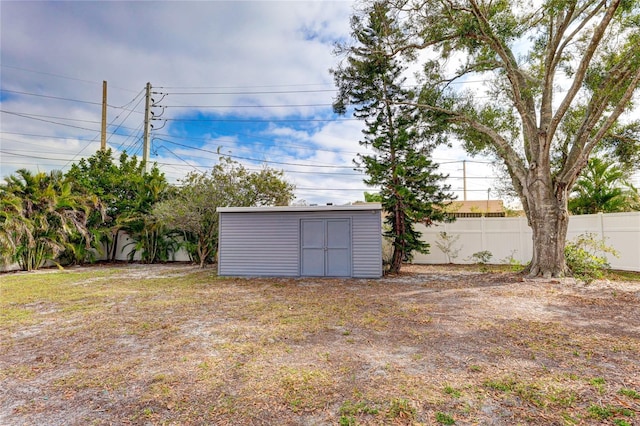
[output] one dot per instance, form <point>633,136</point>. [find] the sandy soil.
<point>176,345</point>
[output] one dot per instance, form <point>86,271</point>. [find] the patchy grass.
<point>178,345</point>
<point>619,275</point>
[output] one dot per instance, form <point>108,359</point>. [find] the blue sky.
<point>249,78</point>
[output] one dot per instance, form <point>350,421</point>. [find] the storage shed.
<point>313,241</point>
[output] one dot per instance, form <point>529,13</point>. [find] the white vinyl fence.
<point>505,238</point>
<point>511,237</point>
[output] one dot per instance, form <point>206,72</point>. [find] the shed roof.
<point>323,208</point>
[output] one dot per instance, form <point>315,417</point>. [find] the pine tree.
<point>412,191</point>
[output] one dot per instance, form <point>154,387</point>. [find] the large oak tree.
<point>554,80</point>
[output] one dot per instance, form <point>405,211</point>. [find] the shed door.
<point>325,247</point>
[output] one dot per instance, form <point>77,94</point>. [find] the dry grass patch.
<point>178,345</point>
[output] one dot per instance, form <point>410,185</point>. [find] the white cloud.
<point>66,49</point>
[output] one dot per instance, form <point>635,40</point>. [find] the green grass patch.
<point>444,418</point>
<point>599,384</point>
<point>603,412</point>
<point>401,409</point>
<point>350,408</point>
<point>452,391</point>
<point>618,275</point>
<point>349,412</point>
<point>631,393</point>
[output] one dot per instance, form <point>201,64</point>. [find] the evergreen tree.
<point>412,191</point>
<point>559,78</point>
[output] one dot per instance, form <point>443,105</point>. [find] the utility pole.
<point>488,195</point>
<point>147,126</point>
<point>103,133</point>
<point>464,178</point>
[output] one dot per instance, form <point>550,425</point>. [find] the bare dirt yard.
<point>173,344</point>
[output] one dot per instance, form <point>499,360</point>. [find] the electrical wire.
<point>61,76</point>
<point>32,117</point>
<point>46,121</point>
<point>267,92</point>
<point>248,120</point>
<point>135,143</point>
<point>247,106</point>
<point>256,159</point>
<point>50,97</point>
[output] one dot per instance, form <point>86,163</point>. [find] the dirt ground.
<point>435,345</point>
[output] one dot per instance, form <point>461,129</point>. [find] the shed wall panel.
<point>367,246</point>
<point>268,243</point>
<point>259,244</point>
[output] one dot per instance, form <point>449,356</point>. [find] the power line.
<point>43,136</point>
<point>37,117</point>
<point>31,156</point>
<point>255,139</point>
<point>132,100</point>
<point>67,99</point>
<point>61,76</point>
<point>248,120</point>
<point>125,118</point>
<point>178,157</point>
<point>255,159</point>
<point>4,151</point>
<point>442,162</point>
<point>136,131</point>
<point>248,106</point>
<point>46,121</point>
<point>50,97</point>
<point>246,87</point>
<point>267,92</point>
<point>29,115</point>
<point>134,137</point>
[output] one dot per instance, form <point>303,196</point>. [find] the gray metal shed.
<point>318,241</point>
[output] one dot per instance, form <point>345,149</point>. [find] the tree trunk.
<point>396,260</point>
<point>399,229</point>
<point>114,248</point>
<point>202,252</point>
<point>549,221</point>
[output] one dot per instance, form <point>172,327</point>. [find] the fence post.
<point>483,243</point>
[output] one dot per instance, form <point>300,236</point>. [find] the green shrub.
<point>446,244</point>
<point>586,257</point>
<point>482,257</point>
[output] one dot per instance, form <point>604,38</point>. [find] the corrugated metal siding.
<point>366,246</point>
<point>268,243</point>
<point>258,244</point>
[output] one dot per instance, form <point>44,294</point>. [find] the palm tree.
<point>40,213</point>
<point>13,227</point>
<point>603,188</point>
<point>150,239</point>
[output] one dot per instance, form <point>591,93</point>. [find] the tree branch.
<point>510,156</point>
<point>586,143</point>
<point>523,101</point>
<point>584,64</point>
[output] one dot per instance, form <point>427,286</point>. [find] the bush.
<point>446,244</point>
<point>586,257</point>
<point>481,257</point>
